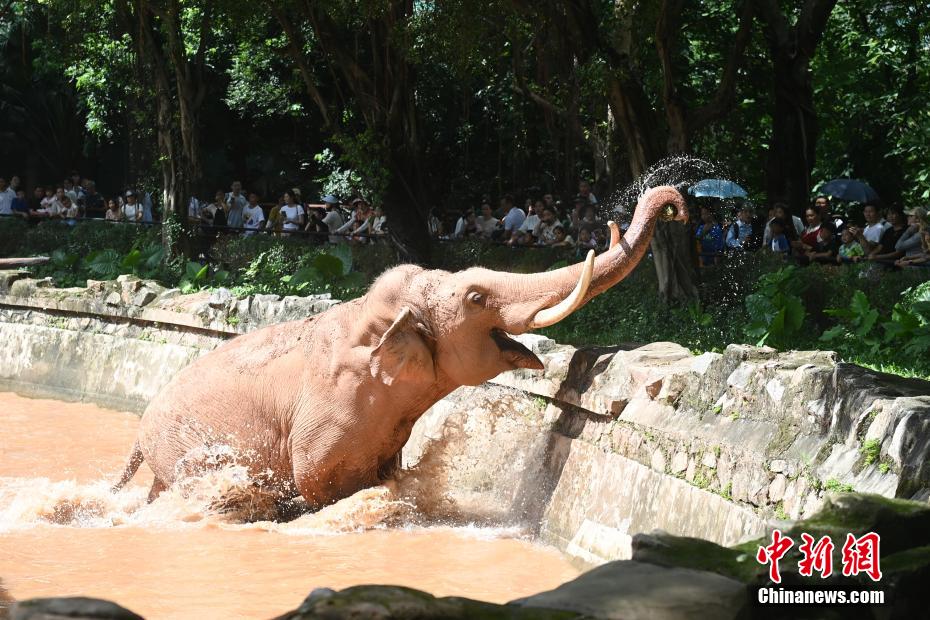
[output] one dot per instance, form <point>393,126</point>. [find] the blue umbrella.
<point>850,190</point>
<point>717,188</point>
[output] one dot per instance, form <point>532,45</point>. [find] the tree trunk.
<point>794,119</point>
<point>794,133</point>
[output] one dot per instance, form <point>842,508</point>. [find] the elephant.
<point>320,407</point>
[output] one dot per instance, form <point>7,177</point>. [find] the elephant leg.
<point>391,466</point>
<point>157,487</point>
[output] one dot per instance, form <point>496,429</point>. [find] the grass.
<point>871,451</point>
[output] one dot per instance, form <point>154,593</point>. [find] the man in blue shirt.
<point>740,231</point>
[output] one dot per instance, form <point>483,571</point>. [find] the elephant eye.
<point>476,298</point>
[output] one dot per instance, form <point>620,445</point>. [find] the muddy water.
<point>63,533</point>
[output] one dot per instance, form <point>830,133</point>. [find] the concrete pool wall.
<point>603,444</point>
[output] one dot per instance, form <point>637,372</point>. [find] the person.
<point>15,183</point>
<point>922,259</point>
<point>291,214</point>
<point>816,241</point>
<point>19,207</point>
<point>358,224</point>
<point>849,251</point>
<point>584,192</point>
<point>237,203</point>
<point>333,218</point>
<point>710,238</point>
<point>779,240</point>
<point>466,225</point>
<point>113,213</point>
<point>886,252</point>
<point>434,223</point>
<point>213,215</point>
<point>378,226</point>
<point>600,239</point>
<point>68,186</point>
<point>514,216</point>
<point>586,239</point>
<point>460,224</point>
<point>562,239</point>
<point>870,236</point>
<point>545,229</point>
<point>274,221</point>
<point>780,211</point>
<point>532,219</point>
<point>93,202</point>
<point>910,241</point>
<point>253,215</point>
<point>69,210</point>
<point>132,210</point>
<point>486,223</point>
<point>6,198</point>
<point>740,232</point>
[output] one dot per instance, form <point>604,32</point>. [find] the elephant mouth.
<point>514,352</point>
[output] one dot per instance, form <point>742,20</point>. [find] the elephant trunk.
<point>543,299</point>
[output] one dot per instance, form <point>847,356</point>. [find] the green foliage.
<point>776,309</point>
<point>905,336</point>
<point>198,276</point>
<point>871,451</point>
<point>835,486</point>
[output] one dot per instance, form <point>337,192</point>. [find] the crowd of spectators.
<point>544,221</point>
<point>238,211</point>
<point>893,239</point>
<point>70,200</point>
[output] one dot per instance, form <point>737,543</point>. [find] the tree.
<point>371,106</point>
<point>795,128</point>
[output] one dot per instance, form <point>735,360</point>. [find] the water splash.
<point>678,171</point>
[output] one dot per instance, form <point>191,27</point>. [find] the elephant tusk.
<point>614,234</point>
<point>551,316</point>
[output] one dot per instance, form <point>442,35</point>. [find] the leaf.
<point>867,322</point>
<point>305,275</point>
<point>329,266</point>
<point>220,277</point>
<point>343,252</point>
<point>354,280</point>
<point>132,259</point>
<point>860,304</point>
<point>837,331</point>
<point>191,270</point>
<point>794,314</point>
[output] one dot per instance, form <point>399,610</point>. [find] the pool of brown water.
<point>63,533</point>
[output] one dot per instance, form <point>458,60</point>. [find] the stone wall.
<point>602,445</point>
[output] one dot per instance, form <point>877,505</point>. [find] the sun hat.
<point>330,199</point>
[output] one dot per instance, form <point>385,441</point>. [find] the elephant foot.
<point>246,504</point>
<point>157,488</point>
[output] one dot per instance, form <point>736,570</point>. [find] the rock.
<point>8,277</point>
<point>778,466</point>
<point>114,299</point>
<point>144,297</point>
<point>777,488</point>
<point>708,459</point>
<point>77,607</point>
<point>25,287</point>
<point>167,294</point>
<point>691,471</point>
<point>679,462</point>
<point>398,603</point>
<point>627,590</point>
<point>658,460</point>
<point>664,549</point>
<point>220,298</point>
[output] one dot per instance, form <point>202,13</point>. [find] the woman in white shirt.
<point>132,210</point>
<point>291,214</point>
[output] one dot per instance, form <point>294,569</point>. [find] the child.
<point>780,243</point>
<point>850,251</point>
<point>585,240</point>
<point>561,239</point>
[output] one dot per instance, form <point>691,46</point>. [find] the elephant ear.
<point>402,353</point>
